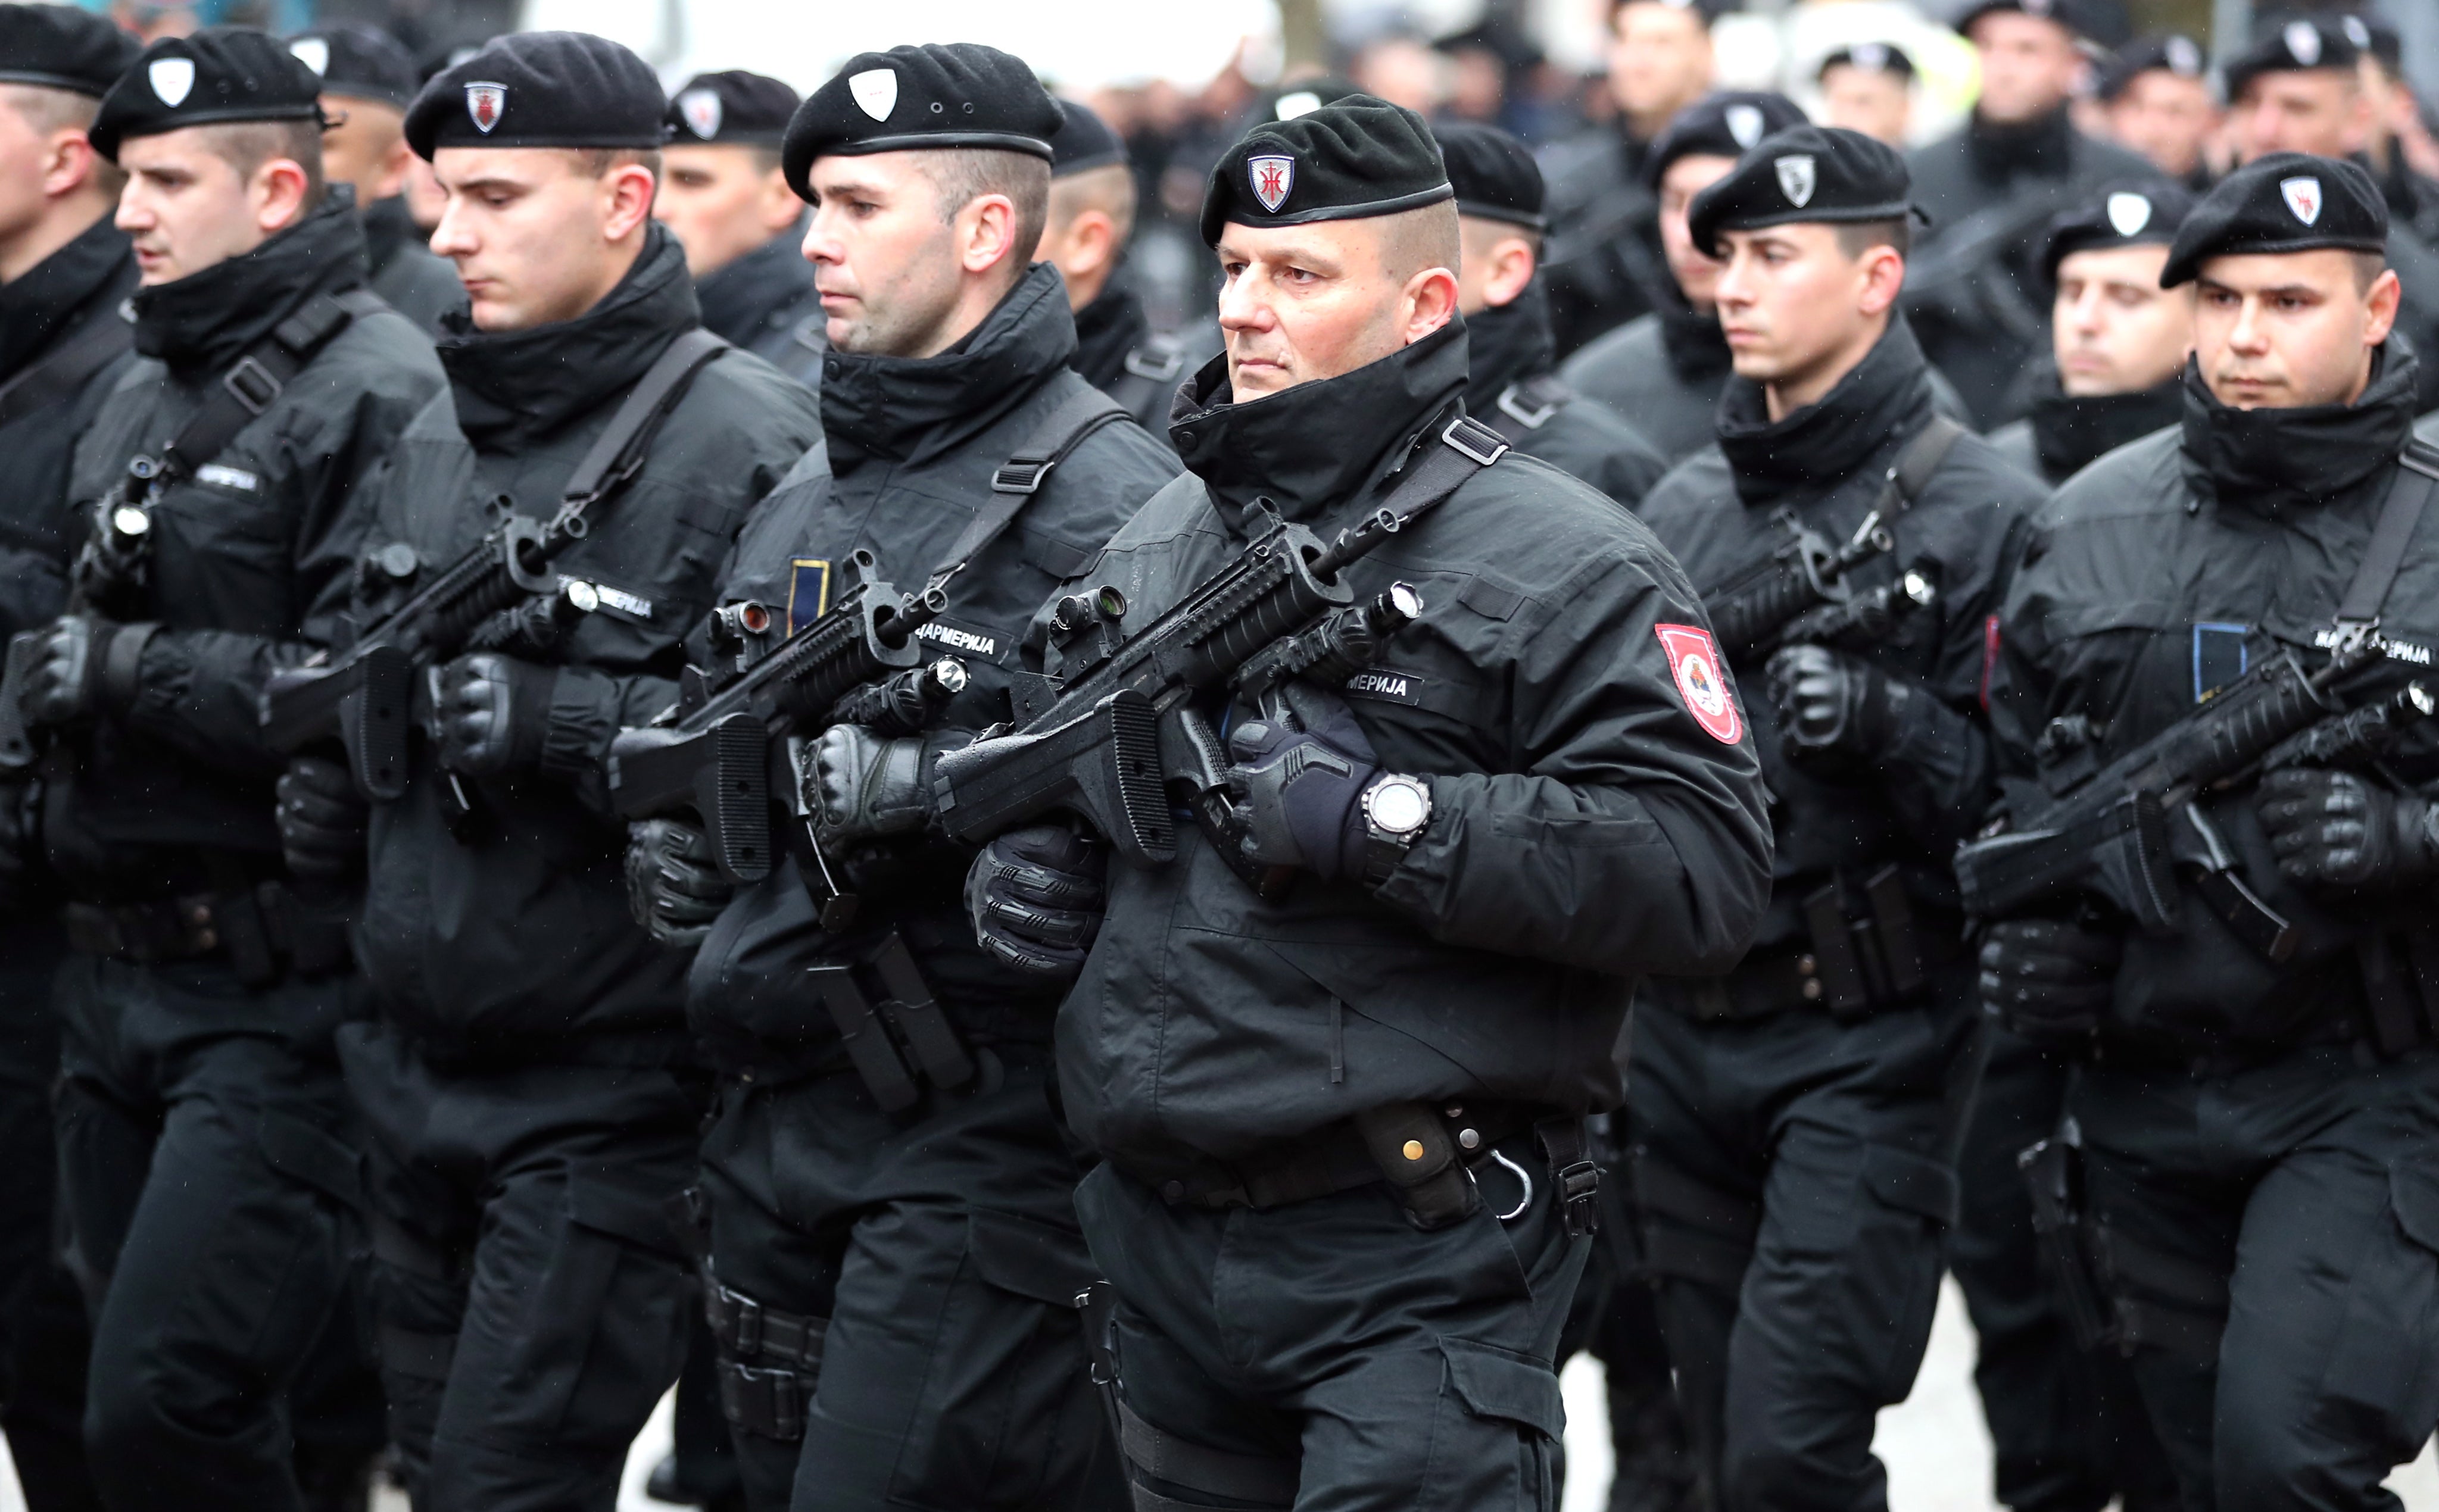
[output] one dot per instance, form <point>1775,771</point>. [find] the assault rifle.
<point>1119,738</point>
<point>1808,572</point>
<point>365,697</point>
<point>2120,832</point>
<point>712,752</point>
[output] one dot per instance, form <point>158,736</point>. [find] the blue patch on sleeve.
<point>809,592</point>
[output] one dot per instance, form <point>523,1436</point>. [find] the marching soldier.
<point>1344,1197</point>
<point>2156,96</point>
<point>203,1131</point>
<point>1796,1122</point>
<point>368,79</point>
<point>725,200</point>
<point>894,1260</point>
<point>525,1071</point>
<point>2258,1100</point>
<point>1506,310</point>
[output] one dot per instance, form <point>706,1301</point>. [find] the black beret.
<point>1288,102</point>
<point>1493,173</point>
<point>360,62</point>
<point>2125,215</point>
<point>2286,201</point>
<point>219,74</point>
<point>1083,141</point>
<point>1346,161</point>
<point>62,47</point>
<point>2168,52</point>
<point>939,94</point>
<point>540,89</point>
<point>1726,124</point>
<point>2290,45</point>
<point>1803,174</point>
<point>1871,57</point>
<point>448,54</point>
<point>733,106</point>
<point>2081,17</point>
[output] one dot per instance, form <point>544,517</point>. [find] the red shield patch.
<point>1694,661</point>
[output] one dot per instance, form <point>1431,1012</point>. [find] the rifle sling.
<point>64,368</point>
<point>2417,478</point>
<point>254,381</point>
<point>618,450</point>
<point>1922,457</point>
<point>1019,478</point>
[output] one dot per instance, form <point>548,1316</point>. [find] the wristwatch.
<point>1396,809</point>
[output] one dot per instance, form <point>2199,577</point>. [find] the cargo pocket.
<point>605,1330</point>
<point>1496,1449</point>
<point>2386,1362</point>
<point>1008,1413</point>
<point>1897,1259</point>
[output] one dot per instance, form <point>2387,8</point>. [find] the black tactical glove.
<point>2336,829</point>
<point>321,821</point>
<point>1830,703</point>
<point>1300,791</point>
<point>1035,896</point>
<point>864,786</point>
<point>2047,979</point>
<point>674,887</point>
<point>494,714</point>
<point>75,673</point>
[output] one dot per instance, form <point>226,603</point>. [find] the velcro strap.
<point>768,1402</point>
<point>416,1356</point>
<point>1265,1480</point>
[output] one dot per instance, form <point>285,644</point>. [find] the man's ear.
<point>68,164</point>
<point>627,199</point>
<point>278,194</point>
<point>780,206</point>
<point>1431,302</point>
<point>395,161</point>
<point>987,233</point>
<point>2381,300</point>
<point>1883,280</point>
<point>1512,270</point>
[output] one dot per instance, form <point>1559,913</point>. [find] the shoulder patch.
<point>1694,661</point>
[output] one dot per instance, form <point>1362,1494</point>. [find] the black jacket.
<point>1602,260</point>
<point>2157,575</point>
<point>1662,374</point>
<point>912,446</point>
<point>505,946</point>
<point>418,283</point>
<point>1511,346</point>
<point>1826,463</point>
<point>42,311</point>
<point>2062,436</point>
<point>764,302</point>
<point>1585,830</point>
<point>1974,284</point>
<point>250,562</point>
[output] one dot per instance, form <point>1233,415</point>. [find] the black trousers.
<point>2274,1234</point>
<point>44,1336</point>
<point>1796,1180</point>
<point>942,1249</point>
<point>207,1182</point>
<point>1382,1366</point>
<point>529,1274</point>
<point>2067,1427</point>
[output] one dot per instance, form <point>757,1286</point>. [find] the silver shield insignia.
<point>1796,178</point>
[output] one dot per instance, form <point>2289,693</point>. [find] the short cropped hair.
<point>596,162</point>
<point>46,110</point>
<point>1854,238</point>
<point>245,146</point>
<point>1412,241</point>
<point>1109,188</point>
<point>961,175</point>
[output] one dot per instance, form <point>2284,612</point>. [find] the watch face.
<point>1398,806</point>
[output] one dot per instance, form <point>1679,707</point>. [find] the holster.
<point>2053,1170</point>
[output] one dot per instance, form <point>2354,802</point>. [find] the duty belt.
<point>256,927</point>
<point>1860,964</point>
<point>1422,1150</point>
